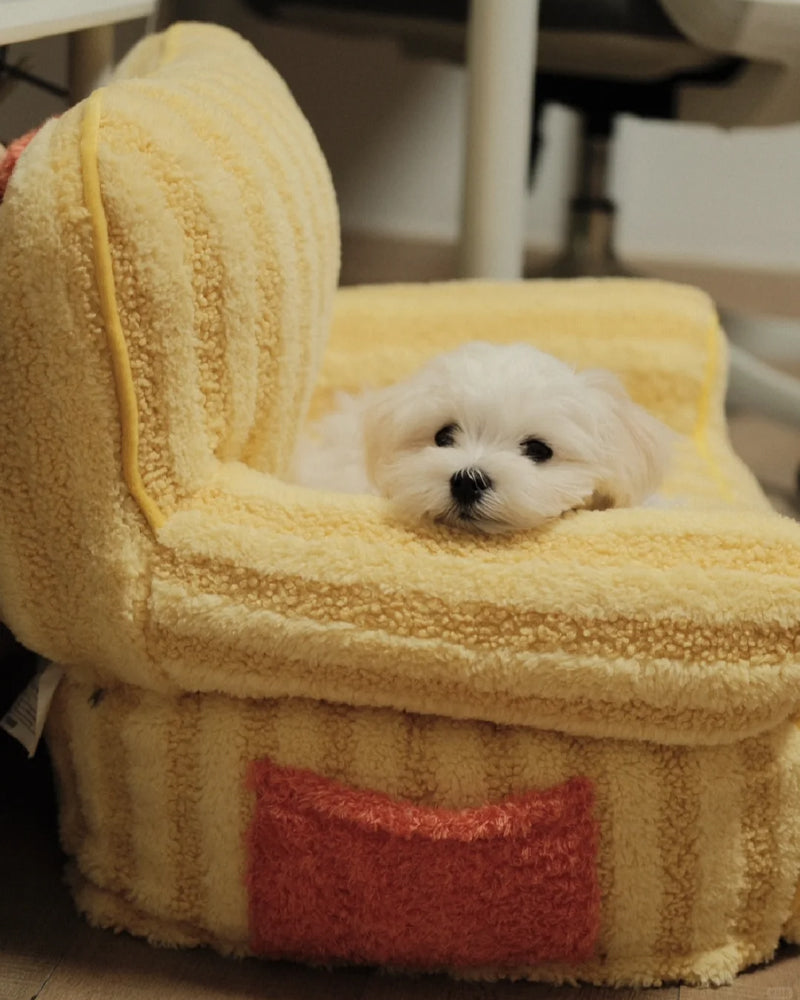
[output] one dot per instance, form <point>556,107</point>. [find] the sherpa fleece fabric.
<point>390,882</point>
<point>251,667</point>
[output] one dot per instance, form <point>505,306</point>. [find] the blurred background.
<point>692,199</point>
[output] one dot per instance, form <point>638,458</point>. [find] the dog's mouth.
<point>473,518</point>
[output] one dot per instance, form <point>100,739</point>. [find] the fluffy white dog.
<point>490,438</point>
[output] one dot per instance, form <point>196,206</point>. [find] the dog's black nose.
<point>468,485</point>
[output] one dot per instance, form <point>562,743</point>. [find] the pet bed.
<point>290,727</point>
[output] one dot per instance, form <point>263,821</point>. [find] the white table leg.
<point>501,47</point>
<point>91,59</point>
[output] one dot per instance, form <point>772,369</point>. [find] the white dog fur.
<point>490,438</point>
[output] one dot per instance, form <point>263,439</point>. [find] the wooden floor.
<point>48,953</point>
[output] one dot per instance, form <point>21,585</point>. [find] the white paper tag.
<point>26,717</point>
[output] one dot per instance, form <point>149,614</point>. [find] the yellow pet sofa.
<point>291,727</point>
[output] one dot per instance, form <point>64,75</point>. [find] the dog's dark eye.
<point>536,450</point>
<point>445,437</point>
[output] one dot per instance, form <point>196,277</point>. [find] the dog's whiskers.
<point>476,517</point>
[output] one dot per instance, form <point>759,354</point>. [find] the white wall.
<point>704,194</point>
<point>392,130</point>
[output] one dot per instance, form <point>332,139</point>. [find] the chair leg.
<point>755,385</point>
<point>590,234</point>
<point>771,338</point>
<point>501,43</point>
<point>91,59</point>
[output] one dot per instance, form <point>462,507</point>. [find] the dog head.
<point>503,438</point>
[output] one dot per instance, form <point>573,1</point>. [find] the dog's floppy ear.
<point>379,426</point>
<point>388,413</point>
<point>636,446</point>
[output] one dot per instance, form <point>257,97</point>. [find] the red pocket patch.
<point>339,874</point>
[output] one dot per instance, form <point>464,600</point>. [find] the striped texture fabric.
<point>169,251</point>
<point>168,260</point>
<point>698,848</point>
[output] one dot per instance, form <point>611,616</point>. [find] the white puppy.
<point>490,438</point>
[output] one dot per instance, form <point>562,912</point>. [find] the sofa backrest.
<point>168,256</point>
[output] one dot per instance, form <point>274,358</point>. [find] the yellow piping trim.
<point>104,273</point>
<point>700,433</point>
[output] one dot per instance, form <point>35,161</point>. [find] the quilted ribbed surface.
<point>698,856</point>
<point>168,256</point>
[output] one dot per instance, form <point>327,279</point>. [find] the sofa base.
<point>692,873</point>
<point>717,967</point>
